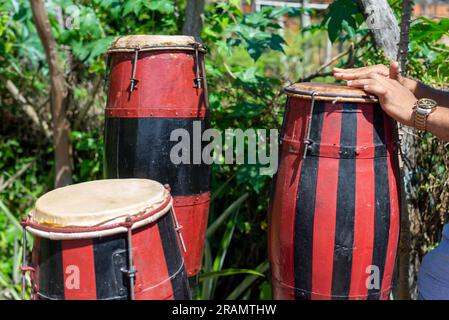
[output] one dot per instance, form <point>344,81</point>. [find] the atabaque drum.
<point>158,88</point>
<point>106,240</point>
<point>334,211</point>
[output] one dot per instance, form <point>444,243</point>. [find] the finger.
<point>385,81</point>
<point>360,74</point>
<point>379,68</point>
<point>355,69</point>
<point>375,89</point>
<point>360,83</point>
<point>351,76</point>
<point>395,71</point>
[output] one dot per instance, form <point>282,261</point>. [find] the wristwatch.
<point>423,107</point>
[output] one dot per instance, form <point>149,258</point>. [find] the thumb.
<point>395,72</point>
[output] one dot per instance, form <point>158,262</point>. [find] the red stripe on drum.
<point>192,213</point>
<point>78,269</point>
<point>364,207</point>
<point>282,215</point>
<point>152,277</point>
<point>325,208</point>
<point>180,201</point>
<point>393,174</point>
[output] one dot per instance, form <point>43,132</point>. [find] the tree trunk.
<point>194,21</point>
<point>58,96</point>
<point>405,34</point>
<point>383,25</point>
<point>394,41</point>
<point>407,263</point>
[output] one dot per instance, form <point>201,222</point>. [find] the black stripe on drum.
<point>111,258</point>
<point>173,258</point>
<point>141,148</point>
<point>305,208</point>
<point>345,211</point>
<point>51,273</point>
<point>382,208</point>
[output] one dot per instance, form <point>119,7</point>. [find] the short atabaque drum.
<point>106,240</point>
<point>157,84</point>
<point>334,211</point>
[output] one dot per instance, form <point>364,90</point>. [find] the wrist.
<point>411,85</point>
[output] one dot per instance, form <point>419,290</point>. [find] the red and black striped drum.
<point>157,84</point>
<point>106,240</point>
<point>334,212</point>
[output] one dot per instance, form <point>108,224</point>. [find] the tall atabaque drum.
<point>334,212</point>
<point>106,240</point>
<point>157,85</point>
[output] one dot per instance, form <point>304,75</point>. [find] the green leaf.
<point>207,267</point>
<point>12,219</point>
<point>223,217</point>
<point>163,6</point>
<point>229,272</point>
<point>341,17</point>
<point>247,282</point>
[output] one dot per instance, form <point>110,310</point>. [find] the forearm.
<point>420,90</point>
<point>438,123</point>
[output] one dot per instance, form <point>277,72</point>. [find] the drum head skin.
<point>154,42</point>
<point>329,92</point>
<point>98,202</point>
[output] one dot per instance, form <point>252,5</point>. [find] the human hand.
<point>394,72</point>
<point>396,100</point>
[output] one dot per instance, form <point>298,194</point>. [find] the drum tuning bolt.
<point>198,80</point>
<point>308,143</point>
<point>178,228</point>
<point>131,273</point>
<point>133,75</point>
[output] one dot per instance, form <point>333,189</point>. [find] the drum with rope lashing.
<point>106,240</point>
<point>334,209</point>
<point>157,87</point>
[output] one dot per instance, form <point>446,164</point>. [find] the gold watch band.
<point>423,107</point>
<point>420,121</point>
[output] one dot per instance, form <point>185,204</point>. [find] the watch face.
<point>427,104</point>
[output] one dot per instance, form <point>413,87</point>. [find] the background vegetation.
<point>251,57</point>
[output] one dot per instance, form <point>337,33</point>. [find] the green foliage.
<point>342,17</point>
<point>254,32</point>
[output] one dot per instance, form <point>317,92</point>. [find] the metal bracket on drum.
<point>131,272</point>
<point>307,141</point>
<point>134,81</point>
<point>178,227</point>
<point>24,268</point>
<point>198,80</point>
